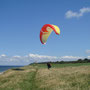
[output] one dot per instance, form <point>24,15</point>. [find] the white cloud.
<point>71,14</point>
<point>87,51</point>
<point>42,56</point>
<point>71,57</point>
<point>17,56</point>
<point>88,57</point>
<point>25,60</point>
<point>3,55</point>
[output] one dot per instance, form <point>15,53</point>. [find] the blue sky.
<point>21,21</point>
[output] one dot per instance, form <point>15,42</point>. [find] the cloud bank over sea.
<point>30,58</point>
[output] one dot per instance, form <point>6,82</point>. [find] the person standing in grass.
<point>48,65</point>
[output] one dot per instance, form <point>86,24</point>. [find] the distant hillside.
<point>65,62</point>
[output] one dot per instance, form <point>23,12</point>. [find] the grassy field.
<point>38,77</point>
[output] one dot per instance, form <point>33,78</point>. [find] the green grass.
<point>62,65</point>
<point>38,77</point>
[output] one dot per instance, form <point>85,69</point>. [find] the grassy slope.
<point>38,77</point>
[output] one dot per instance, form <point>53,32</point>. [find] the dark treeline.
<point>63,62</point>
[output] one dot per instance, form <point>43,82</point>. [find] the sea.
<point>4,68</point>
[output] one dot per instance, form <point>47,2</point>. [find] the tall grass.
<point>38,77</point>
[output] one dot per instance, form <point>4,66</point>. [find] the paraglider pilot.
<point>48,65</point>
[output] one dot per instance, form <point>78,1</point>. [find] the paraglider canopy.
<point>46,31</point>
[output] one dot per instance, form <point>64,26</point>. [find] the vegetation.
<point>38,77</point>
<point>64,62</point>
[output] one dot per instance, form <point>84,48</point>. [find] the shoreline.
<point>5,68</point>
<point>1,73</point>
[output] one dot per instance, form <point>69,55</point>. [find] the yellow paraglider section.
<point>57,29</point>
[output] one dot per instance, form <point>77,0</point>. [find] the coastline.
<point>1,73</point>
<point>5,68</point>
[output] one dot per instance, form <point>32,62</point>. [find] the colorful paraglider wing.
<point>46,31</point>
